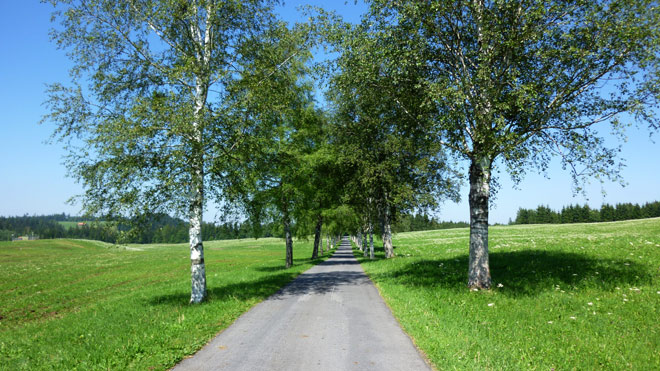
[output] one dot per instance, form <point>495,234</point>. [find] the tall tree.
<point>272,176</point>
<point>392,162</point>
<point>154,116</point>
<point>515,83</point>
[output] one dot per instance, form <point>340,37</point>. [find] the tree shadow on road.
<point>522,273</point>
<point>278,285</point>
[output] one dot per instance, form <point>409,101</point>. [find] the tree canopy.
<point>516,83</point>
<point>157,119</point>
<point>175,102</point>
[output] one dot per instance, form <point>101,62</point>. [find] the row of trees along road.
<point>174,103</point>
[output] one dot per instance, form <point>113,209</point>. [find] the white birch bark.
<point>387,234</point>
<point>198,268</point>
<point>371,241</point>
<point>479,270</point>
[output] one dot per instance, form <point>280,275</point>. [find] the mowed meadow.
<point>75,304</point>
<point>581,296</point>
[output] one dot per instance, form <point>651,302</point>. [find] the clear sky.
<point>33,180</point>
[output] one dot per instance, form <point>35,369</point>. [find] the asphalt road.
<point>330,318</point>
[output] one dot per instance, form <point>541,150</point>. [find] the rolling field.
<point>74,304</point>
<point>582,296</point>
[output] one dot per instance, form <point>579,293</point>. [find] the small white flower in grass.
<point>625,299</point>
<point>573,318</point>
<point>550,322</point>
<point>626,263</point>
<point>658,292</point>
<point>500,285</point>
<point>574,274</point>
<point>491,304</point>
<point>590,303</point>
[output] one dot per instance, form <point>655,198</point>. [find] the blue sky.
<point>33,180</point>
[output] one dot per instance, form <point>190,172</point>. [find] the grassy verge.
<point>72,304</point>
<point>583,296</point>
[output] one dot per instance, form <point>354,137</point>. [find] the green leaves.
<point>149,105</point>
<point>509,78</point>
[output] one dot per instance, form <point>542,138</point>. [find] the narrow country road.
<point>330,318</point>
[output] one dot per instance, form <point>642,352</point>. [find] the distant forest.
<point>585,214</point>
<point>166,229</point>
<point>157,229</point>
<point>163,228</point>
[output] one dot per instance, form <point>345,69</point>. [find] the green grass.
<point>584,296</point>
<point>73,304</point>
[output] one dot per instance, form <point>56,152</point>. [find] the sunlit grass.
<point>73,304</point>
<point>584,296</point>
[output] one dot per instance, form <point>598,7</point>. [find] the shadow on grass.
<point>525,273</point>
<point>275,284</point>
<point>260,288</point>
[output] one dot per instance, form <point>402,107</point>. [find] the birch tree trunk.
<point>387,233</point>
<point>479,271</point>
<point>197,267</point>
<point>202,39</point>
<point>317,237</point>
<point>371,241</point>
<point>289,241</point>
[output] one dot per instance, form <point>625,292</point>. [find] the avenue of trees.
<point>174,104</point>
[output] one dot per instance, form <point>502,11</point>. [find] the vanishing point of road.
<point>329,318</point>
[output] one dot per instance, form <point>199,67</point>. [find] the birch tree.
<point>146,114</point>
<point>515,83</point>
<point>272,176</point>
<point>392,162</point>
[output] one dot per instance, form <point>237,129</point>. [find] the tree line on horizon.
<point>157,229</point>
<point>584,214</point>
<point>167,229</point>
